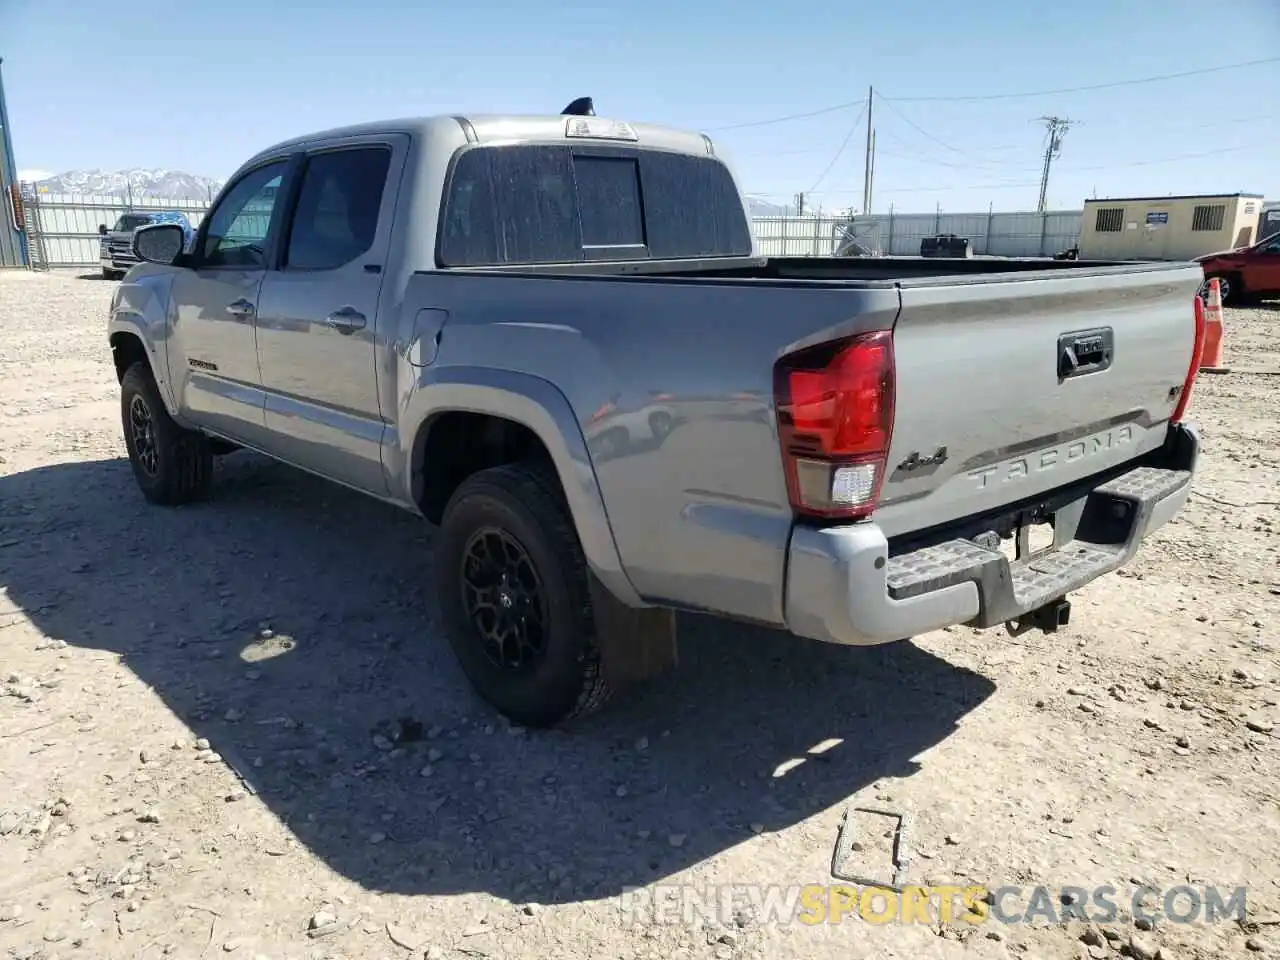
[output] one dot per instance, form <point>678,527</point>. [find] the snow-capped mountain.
<point>160,184</point>
<point>759,207</point>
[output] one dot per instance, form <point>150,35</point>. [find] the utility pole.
<point>1057,129</point>
<point>867,171</point>
<point>800,204</point>
<point>871,180</point>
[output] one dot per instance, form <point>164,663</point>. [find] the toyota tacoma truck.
<point>450,313</point>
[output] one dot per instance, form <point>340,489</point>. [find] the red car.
<point>1246,273</point>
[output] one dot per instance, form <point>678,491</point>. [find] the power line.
<point>1185,156</point>
<point>1159,78</point>
<point>853,128</point>
<point>974,186</point>
<point>1008,184</point>
<point>992,165</point>
<point>791,116</point>
<point>972,159</point>
<point>1130,123</point>
<point>917,128</point>
<point>1198,123</point>
<point>834,108</point>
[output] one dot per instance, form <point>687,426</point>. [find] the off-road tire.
<point>525,502</point>
<point>183,458</point>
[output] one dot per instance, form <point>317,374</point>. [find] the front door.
<point>213,356</point>
<point>318,313</point>
<point>1262,269</point>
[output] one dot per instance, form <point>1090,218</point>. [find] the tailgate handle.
<point>1085,351</point>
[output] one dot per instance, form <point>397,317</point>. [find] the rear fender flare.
<point>538,405</point>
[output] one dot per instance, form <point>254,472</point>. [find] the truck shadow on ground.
<point>668,775</point>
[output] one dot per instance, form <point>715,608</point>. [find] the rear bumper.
<point>844,587</point>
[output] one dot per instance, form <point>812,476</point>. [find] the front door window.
<point>238,228</point>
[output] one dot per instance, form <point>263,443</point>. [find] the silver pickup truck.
<point>554,338</point>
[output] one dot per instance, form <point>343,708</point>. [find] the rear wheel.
<point>661,424</point>
<point>612,442</point>
<point>513,589</point>
<point>1229,287</point>
<point>171,464</point>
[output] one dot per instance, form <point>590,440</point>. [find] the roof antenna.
<point>582,107</point>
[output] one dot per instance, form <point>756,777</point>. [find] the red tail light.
<point>835,419</point>
<point>1185,397</point>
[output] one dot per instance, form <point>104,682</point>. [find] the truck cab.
<point>115,246</point>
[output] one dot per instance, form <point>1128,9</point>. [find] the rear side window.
<point>556,204</point>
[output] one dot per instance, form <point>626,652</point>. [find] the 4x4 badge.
<point>916,462</point>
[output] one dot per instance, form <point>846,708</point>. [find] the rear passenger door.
<point>318,312</point>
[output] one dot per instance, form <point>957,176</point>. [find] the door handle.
<point>346,321</point>
<point>240,309</point>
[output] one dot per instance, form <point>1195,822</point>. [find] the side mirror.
<point>102,229</point>
<point>159,242</point>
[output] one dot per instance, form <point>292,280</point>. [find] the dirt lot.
<point>201,750</point>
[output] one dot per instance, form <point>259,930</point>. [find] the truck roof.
<point>493,128</point>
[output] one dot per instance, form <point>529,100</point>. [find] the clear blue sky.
<point>198,86</point>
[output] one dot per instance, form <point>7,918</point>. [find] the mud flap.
<point>635,644</point>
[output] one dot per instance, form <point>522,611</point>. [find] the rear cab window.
<point>551,203</point>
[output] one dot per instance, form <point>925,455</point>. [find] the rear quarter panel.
<point>670,383</point>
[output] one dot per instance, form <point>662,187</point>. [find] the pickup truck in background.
<point>1247,273</point>
<point>457,314</point>
<point>115,246</point>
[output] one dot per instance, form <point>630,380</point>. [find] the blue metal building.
<point>13,238</point>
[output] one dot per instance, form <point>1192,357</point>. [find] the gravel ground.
<point>234,728</point>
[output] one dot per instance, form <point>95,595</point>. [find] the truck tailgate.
<point>1011,386</point>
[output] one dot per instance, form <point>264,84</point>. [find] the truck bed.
<point>986,424</point>
<point>870,270</point>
